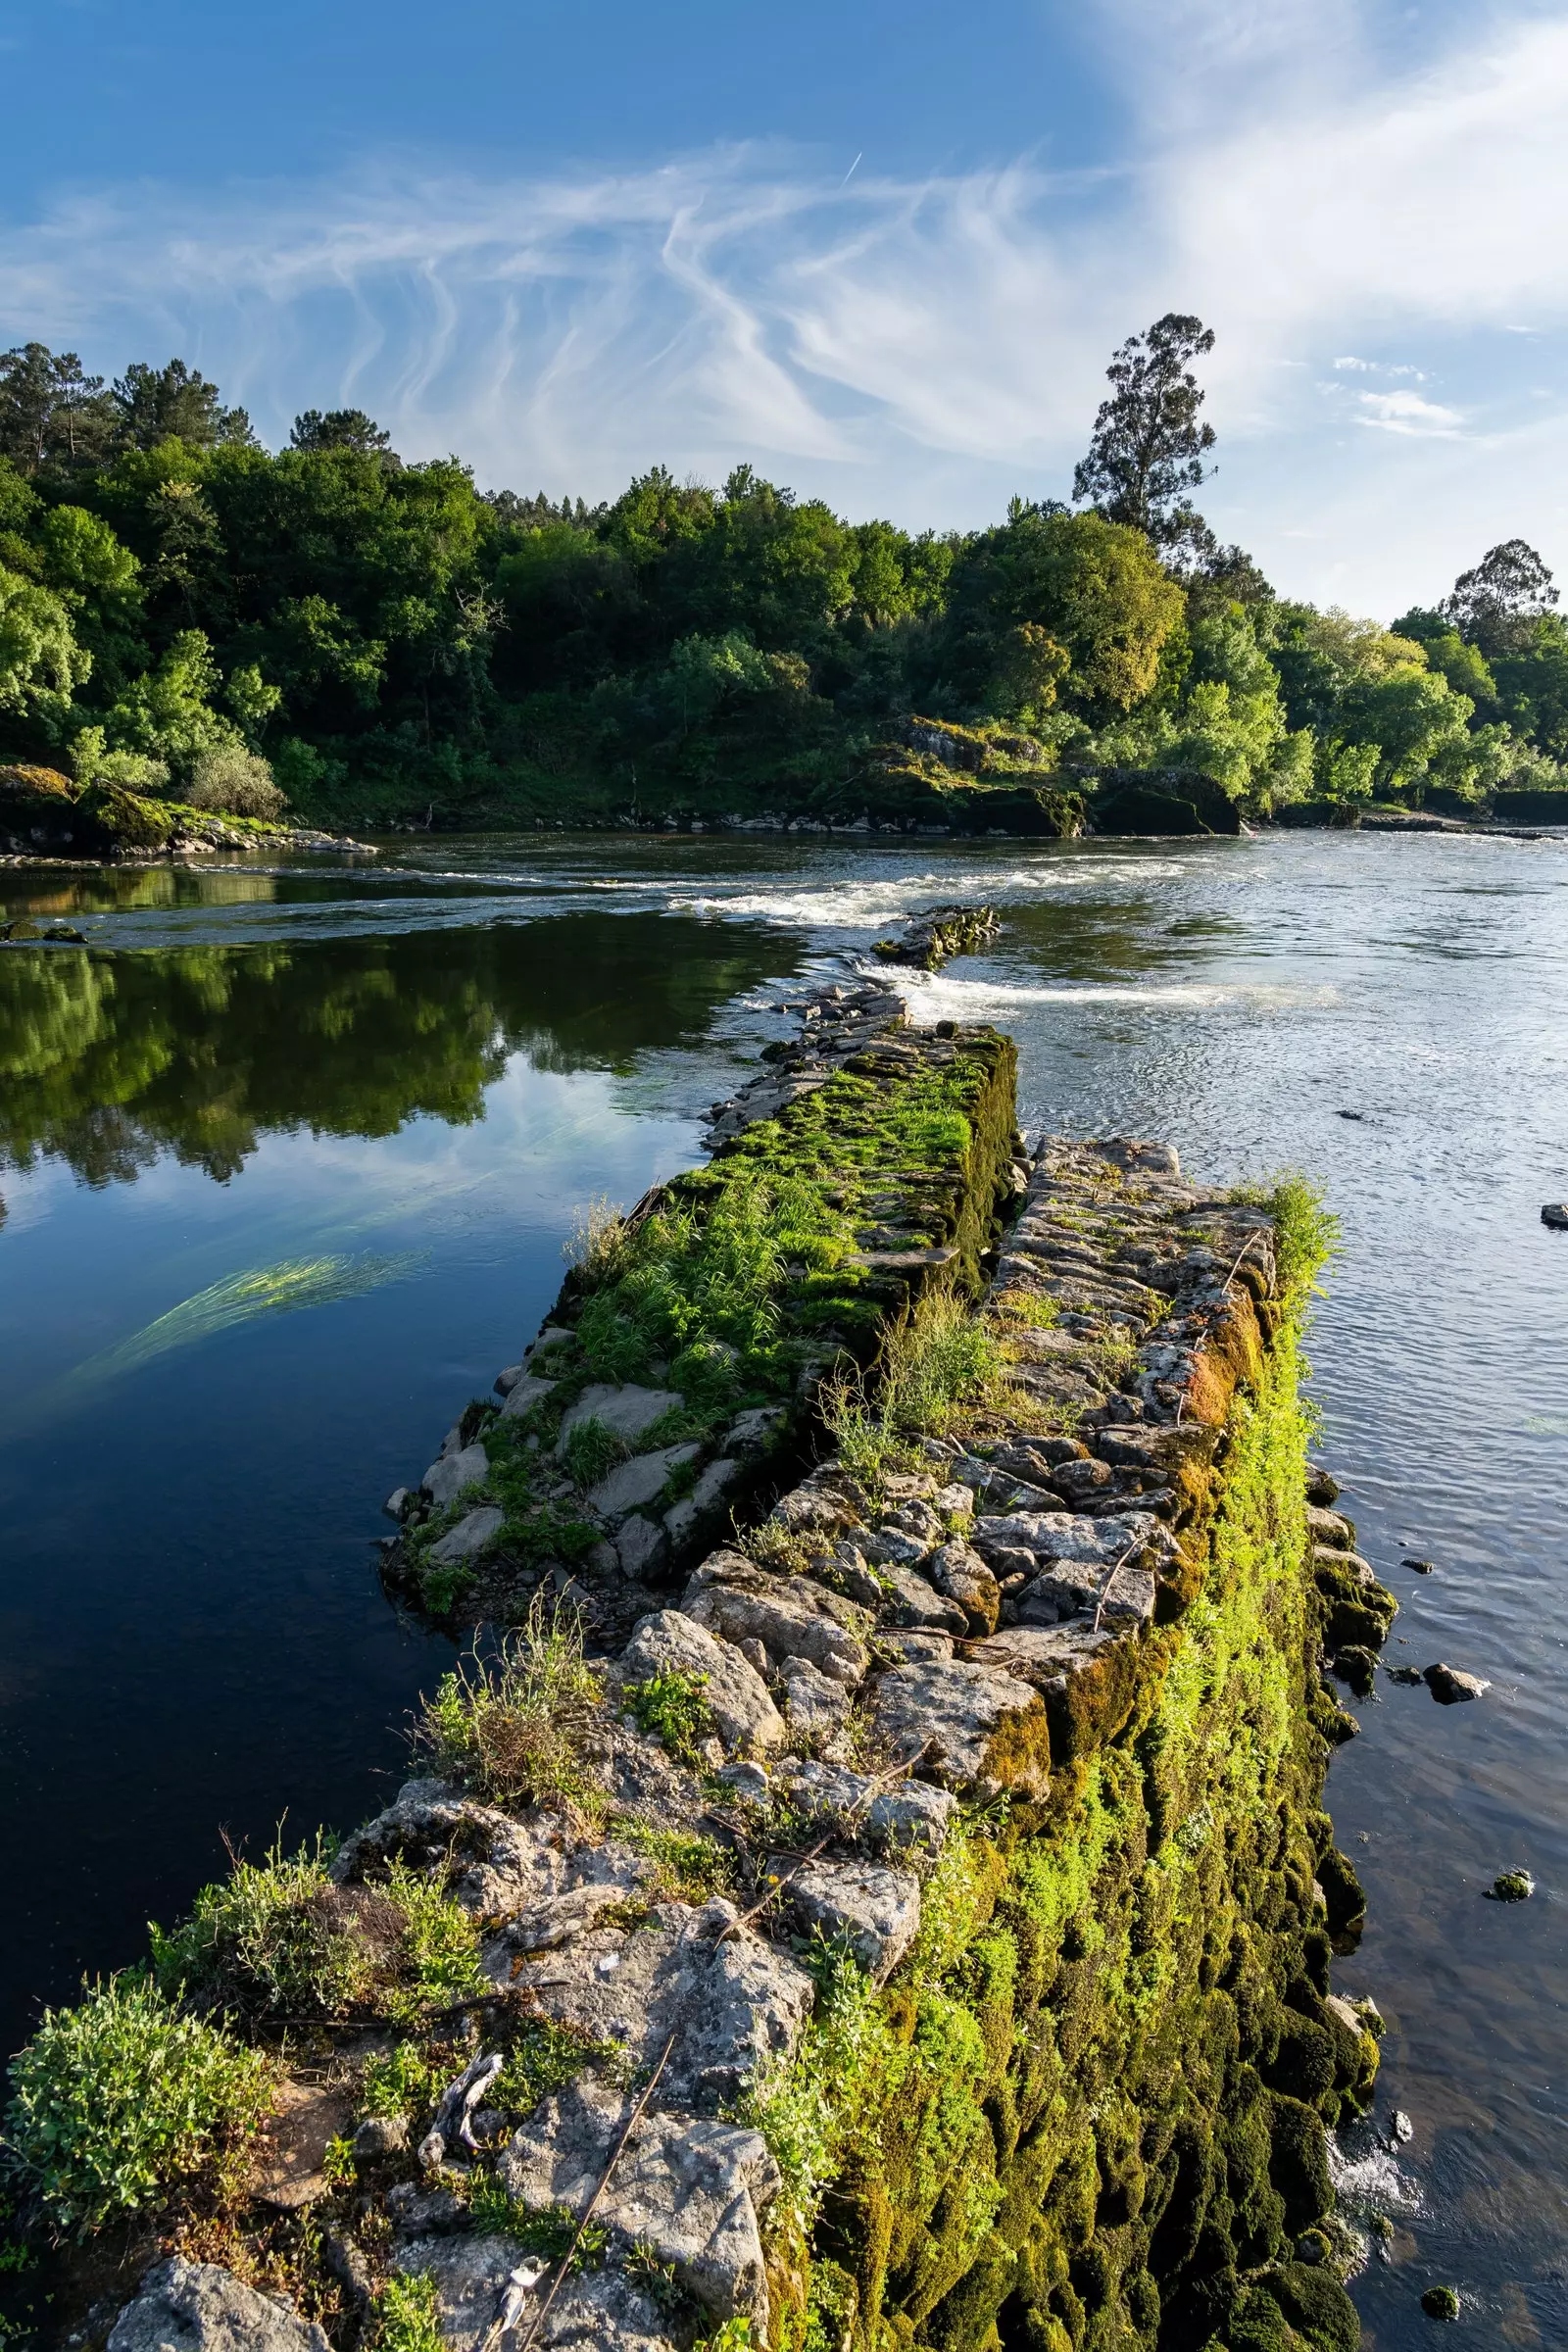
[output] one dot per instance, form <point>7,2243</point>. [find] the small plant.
<point>942,1357</point>
<point>234,781</point>
<point>775,1548</point>
<point>1030,1311</point>
<point>809,2108</point>
<point>547,2231</point>
<point>597,1243</point>
<point>440,1954</point>
<point>278,1936</point>
<point>592,1450</point>
<point>544,2059</point>
<point>866,1445</point>
<point>399,2082</point>
<point>688,1867</point>
<point>337,2163</point>
<point>116,2098</point>
<point>657,2280</point>
<point>673,1706</point>
<point>513,1730</point>
<point>406,2317</point>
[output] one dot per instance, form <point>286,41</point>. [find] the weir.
<point>868,1887</point>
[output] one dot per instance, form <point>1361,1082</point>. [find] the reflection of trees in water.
<point>106,1062</point>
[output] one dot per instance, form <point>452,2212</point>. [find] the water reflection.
<point>106,1062</point>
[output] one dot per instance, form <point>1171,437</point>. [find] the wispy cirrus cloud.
<point>923,348</point>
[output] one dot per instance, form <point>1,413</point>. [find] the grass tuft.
<point>515,1729</point>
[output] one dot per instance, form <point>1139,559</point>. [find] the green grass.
<point>116,2100</point>
<point>406,2317</point>
<point>688,1867</point>
<point>512,1729</point>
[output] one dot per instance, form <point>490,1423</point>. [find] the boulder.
<point>730,2006</point>
<point>818,1706</point>
<point>737,1697</point>
<point>641,1547</point>
<point>455,1473</point>
<point>1048,1536</point>
<point>478,2278</point>
<point>1449,1684</point>
<point>792,1616</point>
<point>1039,1654</point>
<point>904,1817</point>
<point>754,1430</point>
<point>908,1599</point>
<point>200,2307</point>
<point>637,1481</point>
<point>496,1864</point>
<point>688,2189</point>
<point>969,1726</point>
<point>626,1411</point>
<point>875,1910</point>
<point>961,1576</point>
<point>470,1537</point>
<point>523,1394</point>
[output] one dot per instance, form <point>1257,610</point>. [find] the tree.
<point>1096,587</point>
<point>40,661</point>
<point>1497,605</point>
<point>50,412</point>
<point>342,428</point>
<point>175,403</point>
<point>1148,446</point>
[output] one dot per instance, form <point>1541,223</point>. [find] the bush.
<point>275,1935</point>
<point>406,2317</point>
<point>513,1730</point>
<point>114,2099</point>
<point>235,782</point>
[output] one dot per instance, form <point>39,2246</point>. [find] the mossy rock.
<point>1298,2162</point>
<point>1314,2303</point>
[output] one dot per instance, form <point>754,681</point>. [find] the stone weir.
<point>901,1916</point>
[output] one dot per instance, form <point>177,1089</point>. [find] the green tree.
<point>51,415</point>
<point>1148,446</point>
<point>175,403</point>
<point>41,665</point>
<point>343,428</point>
<point>1497,605</point>
<point>167,715</point>
<point>1093,586</point>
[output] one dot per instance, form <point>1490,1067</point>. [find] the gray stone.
<point>1041,1656</point>
<point>792,1616</point>
<point>641,1547</point>
<point>956,1501</point>
<point>421,2212</point>
<point>876,1911</point>
<point>1098,1543</point>
<point>200,2307</point>
<point>469,1537</point>
<point>681,1522</point>
<point>752,1431</point>
<point>899,1645</point>
<point>688,2189</point>
<point>910,1815</point>
<point>479,2280</point>
<point>1449,1684</point>
<point>380,2136</point>
<point>816,1705</point>
<point>524,1395</point>
<point>508,1378</point>
<point>949,1717</point>
<point>1330,1527</point>
<point>493,1864</point>
<point>637,1481</point>
<point>908,1599</point>
<point>455,1473</point>
<point>549,1336</point>
<point>961,1576</point>
<point>711,1487</point>
<point>730,2006</point>
<point>626,1411</point>
<point>749,1781</point>
<point>668,1642</point>
<point>396,1505</point>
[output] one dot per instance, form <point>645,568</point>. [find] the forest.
<point>325,629</point>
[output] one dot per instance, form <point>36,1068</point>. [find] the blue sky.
<point>883,252</point>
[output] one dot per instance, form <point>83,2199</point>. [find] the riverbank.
<point>850,1898</point>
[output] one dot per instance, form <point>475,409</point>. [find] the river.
<point>287,1158</point>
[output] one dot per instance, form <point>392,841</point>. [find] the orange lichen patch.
<point>1232,1353</point>
<point>1094,1706</point>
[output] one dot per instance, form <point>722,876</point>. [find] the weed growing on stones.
<point>673,1706</point>
<point>688,1867</point>
<point>400,2081</point>
<point>406,2317</point>
<point>513,1728</point>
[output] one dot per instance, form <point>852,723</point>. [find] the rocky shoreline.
<point>873,1859</point>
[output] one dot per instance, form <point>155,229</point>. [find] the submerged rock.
<point>200,2307</point>
<point>1512,1887</point>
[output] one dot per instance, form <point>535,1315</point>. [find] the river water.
<point>287,1160</point>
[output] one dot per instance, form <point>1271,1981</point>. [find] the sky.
<point>882,253</point>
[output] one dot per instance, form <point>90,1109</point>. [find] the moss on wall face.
<point>1093,2114</point>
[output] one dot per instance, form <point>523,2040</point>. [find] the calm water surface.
<point>287,1158</point>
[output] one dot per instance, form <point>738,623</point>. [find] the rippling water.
<point>287,1158</point>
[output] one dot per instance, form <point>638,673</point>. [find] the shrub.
<point>513,1730</point>
<point>234,781</point>
<point>401,2080</point>
<point>406,2317</point>
<point>278,1936</point>
<point>114,2099</point>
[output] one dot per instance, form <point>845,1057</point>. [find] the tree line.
<point>187,613</point>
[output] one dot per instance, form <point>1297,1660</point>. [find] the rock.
<point>524,1395</point>
<point>380,2136</point>
<point>291,2145</point>
<point>955,1501</point>
<point>418,2211</point>
<point>469,1537</point>
<point>1331,1528</point>
<point>476,2277</point>
<point>961,1576</point>
<point>1555,1214</point>
<point>952,1716</point>
<point>730,2006</point>
<point>455,1473</point>
<point>1403,2127</point>
<point>550,1336</point>
<point>1449,1684</point>
<point>902,1647</point>
<point>1443,2302</point>
<point>907,1816</point>
<point>754,1431</point>
<point>908,1599</point>
<point>688,2189</point>
<point>1358,1666</point>
<point>747,1779</point>
<point>1421,1567</point>
<point>546,1926</point>
<point>1043,1656</point>
<point>626,1411</point>
<point>199,2307</point>
<point>1513,1886</point>
<point>876,1911</point>
<point>493,1864</point>
<point>756,1656</point>
<point>1404,1674</point>
<point>637,1481</point>
<point>1322,1487</point>
<point>792,1616</point>
<point>641,1549</point>
<point>668,1642</point>
<point>508,1378</point>
<point>396,1505</point>
<point>815,1704</point>
<point>1050,1537</point>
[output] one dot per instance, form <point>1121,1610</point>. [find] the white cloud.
<point>922,349</point>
